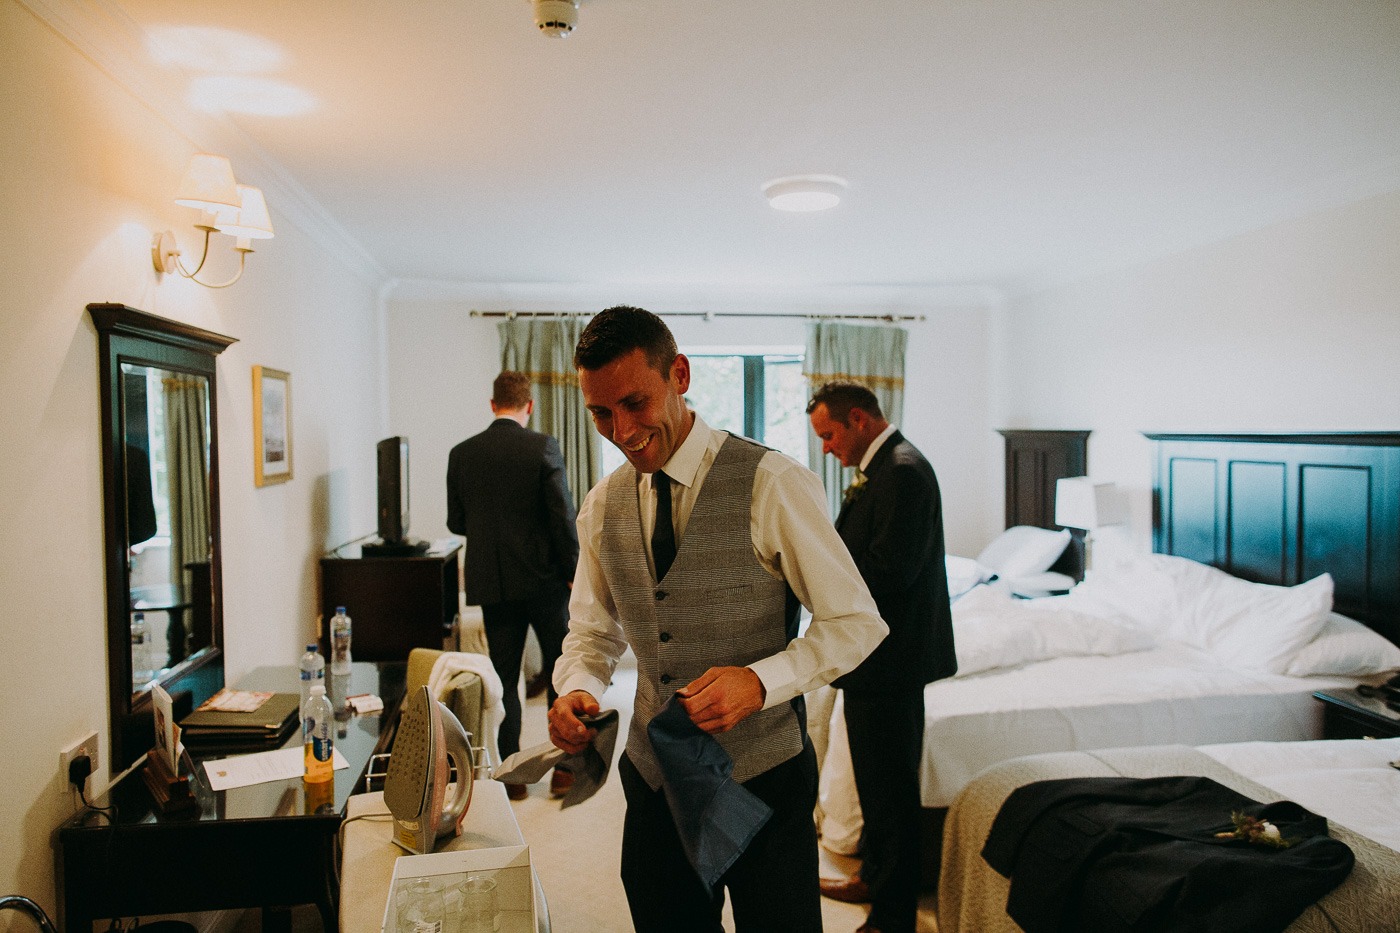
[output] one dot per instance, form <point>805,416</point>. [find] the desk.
<point>260,846</point>
<point>369,852</point>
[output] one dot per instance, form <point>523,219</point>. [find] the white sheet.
<point>1171,694</point>
<point>1348,781</point>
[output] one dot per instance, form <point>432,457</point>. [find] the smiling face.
<point>637,408</point>
<point>846,442</point>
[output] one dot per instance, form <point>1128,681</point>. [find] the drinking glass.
<point>420,906</point>
<point>479,913</point>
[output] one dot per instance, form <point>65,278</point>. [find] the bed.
<point>1295,539</point>
<point>1348,781</point>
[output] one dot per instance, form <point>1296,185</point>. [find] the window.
<point>758,393</point>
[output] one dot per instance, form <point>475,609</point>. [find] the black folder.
<point>273,721</point>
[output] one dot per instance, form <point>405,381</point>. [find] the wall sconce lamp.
<point>228,207</point>
<point>1082,503</point>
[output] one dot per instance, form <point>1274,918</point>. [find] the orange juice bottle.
<point>316,736</point>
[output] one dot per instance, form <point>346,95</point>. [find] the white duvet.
<point>992,630</point>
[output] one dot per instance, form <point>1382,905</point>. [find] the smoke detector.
<point>556,18</point>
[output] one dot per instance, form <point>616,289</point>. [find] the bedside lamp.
<point>1082,503</point>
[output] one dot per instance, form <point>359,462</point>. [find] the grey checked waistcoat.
<point>717,606</point>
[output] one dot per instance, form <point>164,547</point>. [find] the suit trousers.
<point>885,729</point>
<point>506,625</point>
<point>772,886</point>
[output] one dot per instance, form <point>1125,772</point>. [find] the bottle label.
<point>321,747</point>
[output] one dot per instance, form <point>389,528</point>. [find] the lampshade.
<point>251,220</point>
<point>208,183</point>
<point>1082,503</point>
<point>805,192</point>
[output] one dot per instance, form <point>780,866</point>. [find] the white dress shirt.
<point>793,539</point>
<point>874,447</point>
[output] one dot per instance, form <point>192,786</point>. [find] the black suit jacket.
<point>893,527</point>
<point>507,494</point>
<point>1140,855</point>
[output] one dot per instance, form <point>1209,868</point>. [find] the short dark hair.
<point>511,390</point>
<point>840,397</point>
<point>618,331</point>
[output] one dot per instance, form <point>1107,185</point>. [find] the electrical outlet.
<point>84,746</point>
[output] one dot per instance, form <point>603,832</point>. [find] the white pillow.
<point>1023,550</point>
<point>1345,647</point>
<point>1132,592</point>
<point>964,573</point>
<point>1253,626</point>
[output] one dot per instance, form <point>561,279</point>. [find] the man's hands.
<point>565,729</point>
<point>719,699</point>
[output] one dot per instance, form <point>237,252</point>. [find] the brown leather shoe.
<point>517,791</point>
<point>560,782</point>
<point>850,890</point>
<point>867,928</point>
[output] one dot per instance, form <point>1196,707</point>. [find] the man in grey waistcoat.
<point>696,553</point>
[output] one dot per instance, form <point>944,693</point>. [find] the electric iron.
<point>416,786</point>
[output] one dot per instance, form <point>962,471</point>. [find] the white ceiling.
<point>997,144</point>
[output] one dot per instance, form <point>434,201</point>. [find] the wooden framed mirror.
<point>160,480</point>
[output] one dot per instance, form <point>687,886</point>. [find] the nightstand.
<point>1347,714</point>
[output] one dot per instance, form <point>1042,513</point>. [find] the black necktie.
<point>663,533</point>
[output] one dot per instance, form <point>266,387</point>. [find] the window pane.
<point>717,391</point>
<point>783,409</point>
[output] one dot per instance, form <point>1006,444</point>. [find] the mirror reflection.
<point>165,428</point>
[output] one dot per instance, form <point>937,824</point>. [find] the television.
<point>392,456</point>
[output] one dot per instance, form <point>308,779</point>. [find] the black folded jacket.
<point>1141,854</point>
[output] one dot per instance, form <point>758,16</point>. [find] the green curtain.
<point>871,355</point>
<point>187,453</point>
<point>544,350</point>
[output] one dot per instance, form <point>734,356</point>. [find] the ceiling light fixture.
<point>228,207</point>
<point>805,192</point>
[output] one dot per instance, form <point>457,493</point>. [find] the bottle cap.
<point>340,610</point>
<point>318,691</point>
<point>311,646</point>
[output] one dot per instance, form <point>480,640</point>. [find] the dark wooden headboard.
<point>1283,508</point>
<point>1034,460</point>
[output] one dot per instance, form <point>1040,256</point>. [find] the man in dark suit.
<point>507,494</point>
<point>891,520</point>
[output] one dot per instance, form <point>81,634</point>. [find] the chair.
<point>21,903</point>
<point>466,695</point>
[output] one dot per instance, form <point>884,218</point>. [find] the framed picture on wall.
<point>272,426</point>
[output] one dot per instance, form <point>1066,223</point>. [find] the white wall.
<point>1295,327</point>
<point>442,361</point>
<point>86,175</point>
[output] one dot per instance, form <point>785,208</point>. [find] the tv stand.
<point>397,603</point>
<point>405,548</point>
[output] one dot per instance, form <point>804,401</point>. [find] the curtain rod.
<point>710,315</point>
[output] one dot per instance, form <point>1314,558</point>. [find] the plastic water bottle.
<point>313,672</point>
<point>140,649</point>
<point>340,642</point>
<point>317,721</point>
